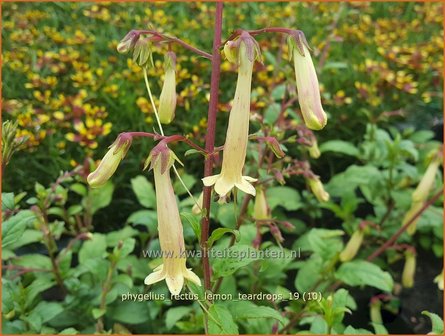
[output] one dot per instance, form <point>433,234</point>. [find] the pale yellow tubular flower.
<point>237,134</point>
<point>307,84</point>
<point>167,100</point>
<point>352,246</point>
<point>409,269</point>
<point>260,208</point>
<point>420,195</point>
<point>427,181</point>
<point>171,238</point>
<point>318,189</point>
<point>110,162</point>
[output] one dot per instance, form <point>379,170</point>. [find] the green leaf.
<point>193,221</point>
<point>28,237</point>
<point>129,312</point>
<point>13,227</point>
<point>309,274</point>
<point>339,146</point>
<point>219,232</point>
<point>248,310</point>
<point>221,321</point>
<point>75,209</point>
<point>232,259</point>
<point>175,314</point>
<point>8,201</point>
<point>436,321</point>
<point>38,286</point>
<point>286,197</point>
<point>360,272</point>
<point>79,189</point>
<point>319,326</point>
<point>147,218</point>
<point>144,191</point>
<point>34,260</point>
<point>48,310</point>
<point>350,330</point>
<point>69,331</point>
<point>94,248</point>
<point>272,112</point>
<point>100,197</point>
<point>114,237</point>
<point>98,312</point>
<point>127,247</point>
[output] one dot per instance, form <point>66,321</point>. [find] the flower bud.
<point>317,189</point>
<point>261,209</point>
<point>352,246</point>
<point>439,280</point>
<point>167,100</point>
<point>128,42</point>
<point>231,52</point>
<point>142,53</point>
<point>409,269</point>
<point>110,162</point>
<point>427,181</point>
<point>375,311</point>
<point>314,151</point>
<point>307,83</point>
<point>420,195</point>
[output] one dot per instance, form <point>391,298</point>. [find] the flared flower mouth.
<point>224,184</point>
<point>174,277</point>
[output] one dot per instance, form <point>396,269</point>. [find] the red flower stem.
<point>210,141</point>
<point>167,139</point>
<point>396,235</point>
<point>282,30</point>
<point>178,41</point>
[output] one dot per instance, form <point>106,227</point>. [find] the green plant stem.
<point>103,296</point>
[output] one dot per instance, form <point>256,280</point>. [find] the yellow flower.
<point>352,246</point>
<point>260,208</point>
<point>237,134</point>
<point>110,162</point>
<point>317,189</point>
<point>307,83</point>
<point>167,100</point>
<point>171,238</point>
<point>420,195</point>
<point>409,269</point>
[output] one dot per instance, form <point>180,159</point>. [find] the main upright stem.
<point>210,140</point>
